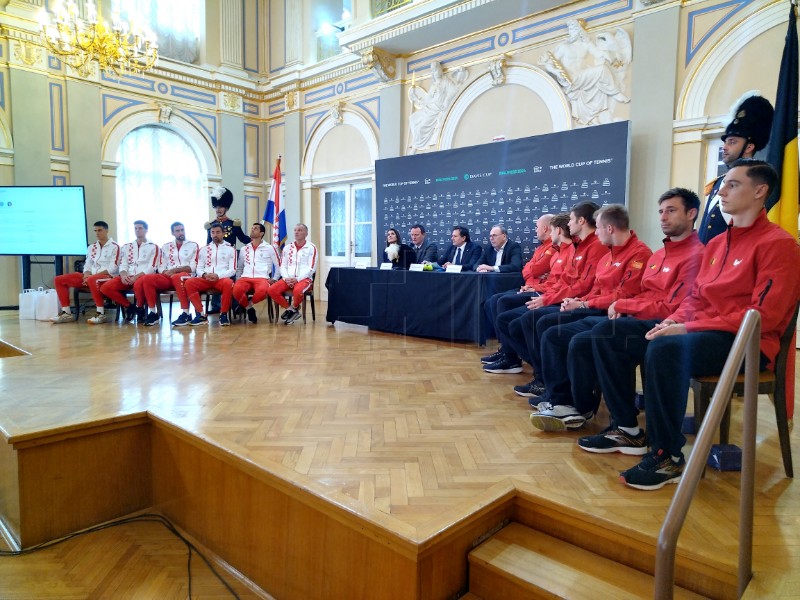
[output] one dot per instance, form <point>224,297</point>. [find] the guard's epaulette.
<point>237,222</point>
<point>709,186</point>
<point>207,225</point>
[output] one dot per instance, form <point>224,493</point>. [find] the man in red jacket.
<point>534,273</point>
<point>568,364</point>
<point>753,265</point>
<point>575,280</point>
<point>618,275</point>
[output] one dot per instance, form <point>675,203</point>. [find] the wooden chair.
<point>273,309</point>
<point>772,384</point>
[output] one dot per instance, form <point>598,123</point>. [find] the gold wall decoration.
<point>28,53</point>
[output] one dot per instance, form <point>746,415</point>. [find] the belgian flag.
<point>782,205</point>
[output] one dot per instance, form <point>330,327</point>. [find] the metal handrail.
<point>745,347</point>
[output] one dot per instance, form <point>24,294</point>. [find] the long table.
<point>440,305</point>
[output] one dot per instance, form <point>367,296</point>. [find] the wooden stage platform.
<point>333,463</point>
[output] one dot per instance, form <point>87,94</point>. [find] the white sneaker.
<point>63,317</point>
<point>97,319</point>
<point>558,418</point>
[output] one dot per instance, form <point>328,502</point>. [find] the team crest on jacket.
<point>637,264</point>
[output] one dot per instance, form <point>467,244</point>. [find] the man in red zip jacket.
<point>576,279</point>
<point>753,265</point>
<point>568,364</point>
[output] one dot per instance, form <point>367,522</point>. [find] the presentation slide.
<point>512,182</point>
<point>43,221</point>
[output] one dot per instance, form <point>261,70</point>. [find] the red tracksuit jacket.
<point>619,273</point>
<point>578,275</point>
<point>667,280</point>
<point>746,267</point>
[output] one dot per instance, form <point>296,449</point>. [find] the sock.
<point>630,430</point>
<point>676,459</point>
<point>101,310</point>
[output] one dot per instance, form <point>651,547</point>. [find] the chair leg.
<point>725,425</point>
<point>313,309</point>
<point>782,420</point>
<point>170,307</point>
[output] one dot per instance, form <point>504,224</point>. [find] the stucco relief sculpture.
<point>591,72</point>
<point>432,105</point>
<point>497,71</point>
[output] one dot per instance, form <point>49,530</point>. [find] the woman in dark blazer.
<point>397,253</point>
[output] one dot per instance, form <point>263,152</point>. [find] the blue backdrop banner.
<point>512,183</point>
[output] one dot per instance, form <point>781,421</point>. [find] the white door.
<point>347,233</point>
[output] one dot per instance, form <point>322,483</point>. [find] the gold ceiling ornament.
<point>119,49</point>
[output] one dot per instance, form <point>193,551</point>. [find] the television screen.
<point>43,220</point>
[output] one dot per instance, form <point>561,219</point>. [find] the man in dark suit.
<point>502,255</point>
<point>463,251</point>
<point>425,250</point>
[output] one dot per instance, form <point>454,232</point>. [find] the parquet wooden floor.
<point>132,561</point>
<point>408,432</point>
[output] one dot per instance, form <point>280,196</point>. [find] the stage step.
<point>519,563</point>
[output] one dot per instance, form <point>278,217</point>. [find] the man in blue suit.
<point>424,249</point>
<point>502,255</point>
<point>463,251</point>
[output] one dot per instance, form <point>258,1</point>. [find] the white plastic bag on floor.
<point>27,304</point>
<point>46,305</point>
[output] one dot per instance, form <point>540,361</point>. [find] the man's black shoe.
<point>130,312</point>
<point>251,315</point>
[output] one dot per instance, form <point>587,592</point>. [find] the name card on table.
<point>453,269</point>
<point>386,266</point>
<point>362,264</point>
<point>415,267</point>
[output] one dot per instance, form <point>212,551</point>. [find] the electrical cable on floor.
<point>143,518</point>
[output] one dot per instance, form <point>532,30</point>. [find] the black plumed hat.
<point>221,196</point>
<point>751,120</point>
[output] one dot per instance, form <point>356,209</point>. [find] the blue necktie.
<point>458,256</point>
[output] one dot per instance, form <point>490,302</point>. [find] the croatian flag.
<point>274,213</point>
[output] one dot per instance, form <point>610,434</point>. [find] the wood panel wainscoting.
<point>326,463</point>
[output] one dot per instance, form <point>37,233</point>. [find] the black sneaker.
<point>251,315</point>
<point>289,312</point>
<point>151,319</point>
<point>656,470</point>
<point>184,319</point>
<point>130,312</point>
<point>200,320</point>
<point>528,390</point>
<point>223,321</point>
<point>293,317</point>
<point>487,360</point>
<point>614,439</point>
<point>141,314</point>
<point>504,365</point>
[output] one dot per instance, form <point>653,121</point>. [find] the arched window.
<point>160,180</point>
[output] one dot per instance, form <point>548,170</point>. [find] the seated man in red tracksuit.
<point>753,265</point>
